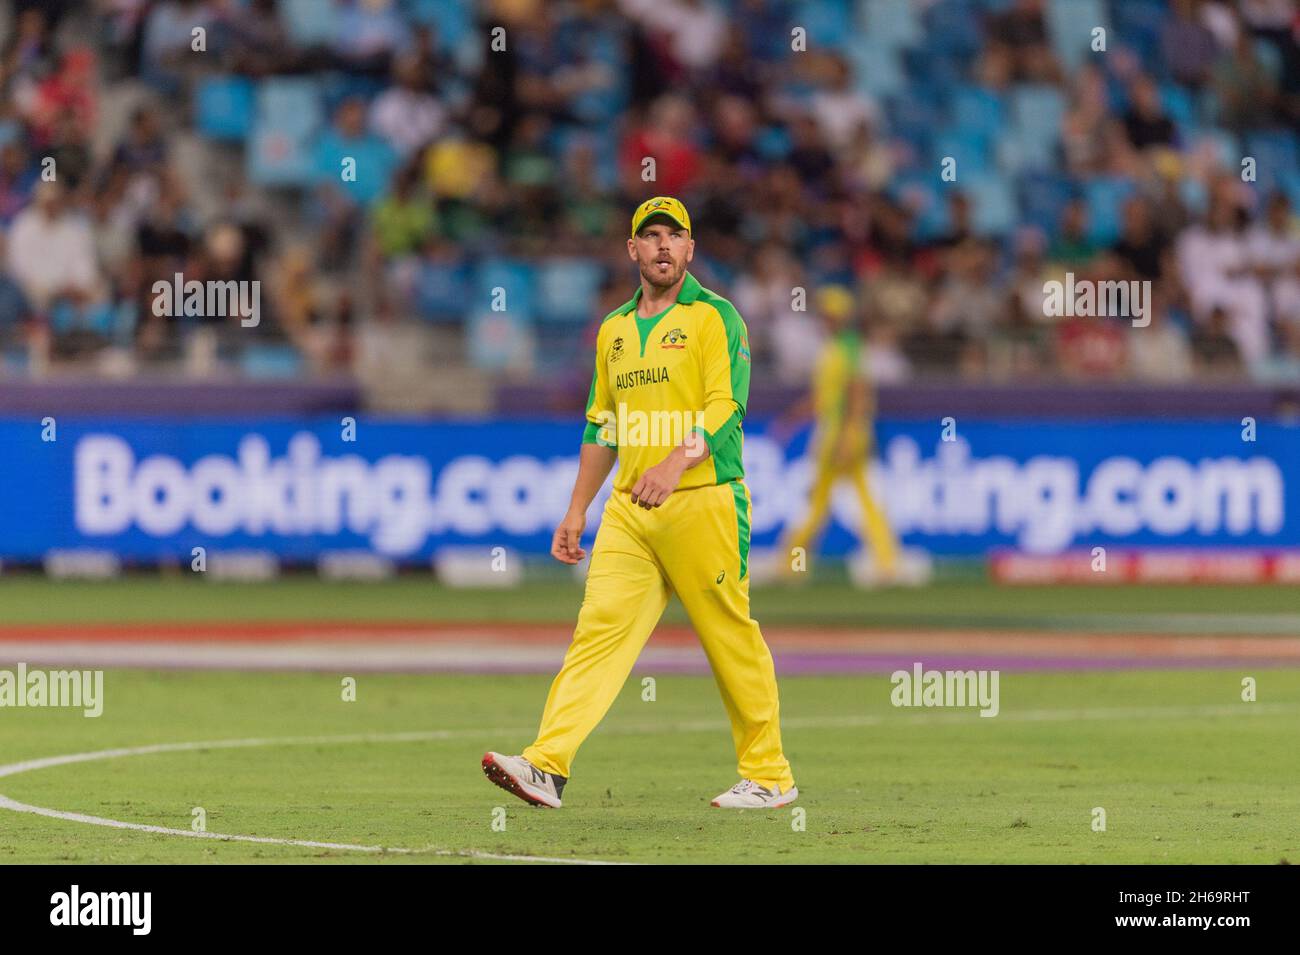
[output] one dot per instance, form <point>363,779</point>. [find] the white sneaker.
<point>748,794</point>
<point>517,775</point>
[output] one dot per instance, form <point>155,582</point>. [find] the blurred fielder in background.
<point>842,405</point>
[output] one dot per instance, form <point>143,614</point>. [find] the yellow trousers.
<point>697,545</point>
<point>876,532</point>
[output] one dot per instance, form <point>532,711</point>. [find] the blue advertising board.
<point>153,488</point>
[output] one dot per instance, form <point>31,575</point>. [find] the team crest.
<point>616,350</point>
<point>674,339</point>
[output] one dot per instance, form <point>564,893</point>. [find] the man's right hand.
<point>565,545</point>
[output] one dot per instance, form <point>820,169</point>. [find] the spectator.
<point>1145,122</point>
<point>1187,46</point>
<point>407,115</point>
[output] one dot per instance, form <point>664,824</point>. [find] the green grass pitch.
<point>1184,770</point>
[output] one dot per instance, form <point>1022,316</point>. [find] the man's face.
<point>661,251</point>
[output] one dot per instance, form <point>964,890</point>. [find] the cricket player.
<point>667,400</point>
<point>841,404</point>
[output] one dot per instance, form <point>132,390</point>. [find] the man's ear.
<point>690,250</point>
<point>631,249</point>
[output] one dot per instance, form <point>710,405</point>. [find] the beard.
<point>651,274</point>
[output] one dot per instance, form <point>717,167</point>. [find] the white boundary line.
<point>46,762</point>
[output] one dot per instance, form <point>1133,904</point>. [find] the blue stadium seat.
<point>498,340</point>
<point>825,21</point>
<point>919,192</point>
<point>452,20</point>
<point>567,290</point>
<point>271,361</point>
<point>1043,195</point>
<point>876,68</point>
<point>1291,186</point>
<point>1106,196</point>
<point>278,158</point>
<point>993,204</point>
<point>291,104</point>
<point>518,280</point>
<point>308,22</point>
<point>1179,106</point>
<point>1038,110</point>
<point>1275,153</point>
<point>892,24</point>
<point>223,107</point>
<point>1069,26</point>
<point>1033,139</point>
<point>953,28</point>
<point>440,291</point>
<point>976,108</point>
<point>914,117</point>
<point>337,86</point>
<point>971,149</point>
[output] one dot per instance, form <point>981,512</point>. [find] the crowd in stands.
<point>376,163</point>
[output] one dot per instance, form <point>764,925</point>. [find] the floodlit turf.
<point>1184,770</point>
<point>965,604</point>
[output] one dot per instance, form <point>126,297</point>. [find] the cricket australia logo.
<point>616,350</point>
<point>674,339</point>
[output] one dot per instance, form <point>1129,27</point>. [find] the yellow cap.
<point>835,302</point>
<point>661,206</point>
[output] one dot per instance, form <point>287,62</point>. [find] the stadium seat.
<point>825,21</point>
<point>567,290</point>
<point>993,204</point>
<point>970,148</point>
<point>271,361</point>
<point>452,20</point>
<point>876,68</point>
<point>1275,153</point>
<point>1043,195</point>
<point>953,27</point>
<point>223,107</point>
<point>496,341</point>
<point>277,158</point>
<point>291,104</point>
<point>440,291</point>
<point>894,25</point>
<point>1179,106</point>
<point>978,109</point>
<point>1038,110</point>
<point>1106,196</point>
<point>308,22</point>
<point>518,280</point>
<point>1033,139</point>
<point>1137,26</point>
<point>1070,24</point>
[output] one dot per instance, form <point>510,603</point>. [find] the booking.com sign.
<point>149,489</point>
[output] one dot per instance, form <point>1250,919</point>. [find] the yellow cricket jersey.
<point>658,379</point>
<point>837,368</point>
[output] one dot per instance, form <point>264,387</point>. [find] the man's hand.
<point>568,536</point>
<point>654,486</point>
